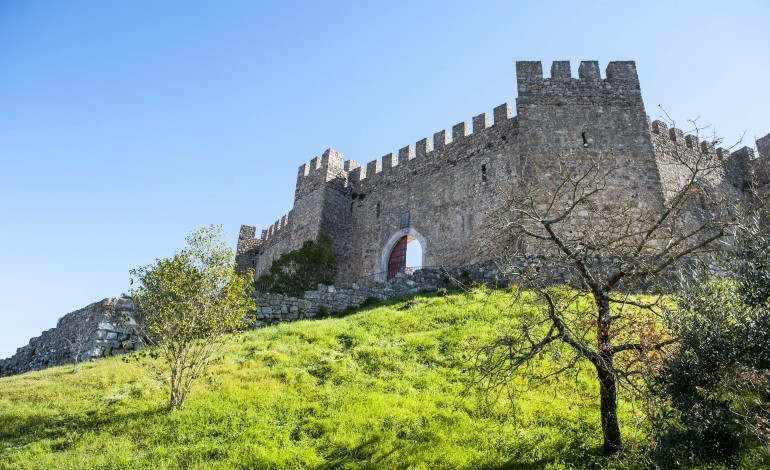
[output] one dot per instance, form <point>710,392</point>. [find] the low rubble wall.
<point>275,308</point>
<point>100,329</point>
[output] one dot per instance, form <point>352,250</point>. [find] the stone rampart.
<point>101,329</point>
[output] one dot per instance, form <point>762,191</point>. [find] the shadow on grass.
<point>572,458</point>
<point>362,454</point>
<point>369,454</point>
<point>15,432</point>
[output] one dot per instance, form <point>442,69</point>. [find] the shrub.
<point>303,269</point>
<point>186,303</point>
<point>714,386</point>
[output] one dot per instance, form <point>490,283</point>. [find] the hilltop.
<point>378,388</point>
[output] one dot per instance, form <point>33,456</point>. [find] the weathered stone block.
<point>480,122</point>
<point>423,148</point>
<point>529,70</point>
<point>406,153</point>
<point>560,69</point>
<point>389,161</point>
<point>589,70</point>
<point>440,139</point>
<point>502,113</point>
<point>459,131</point>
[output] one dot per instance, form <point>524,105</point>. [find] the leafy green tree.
<point>303,269</point>
<point>713,388</point>
<point>187,302</point>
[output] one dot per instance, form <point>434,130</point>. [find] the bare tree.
<point>76,346</point>
<point>585,227</point>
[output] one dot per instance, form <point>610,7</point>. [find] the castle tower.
<point>321,205</point>
<point>562,113</point>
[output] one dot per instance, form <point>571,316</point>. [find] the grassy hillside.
<point>376,389</point>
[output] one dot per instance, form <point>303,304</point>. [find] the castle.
<point>437,191</point>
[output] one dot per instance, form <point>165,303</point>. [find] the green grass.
<point>380,388</point>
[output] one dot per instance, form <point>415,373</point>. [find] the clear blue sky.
<point>125,125</point>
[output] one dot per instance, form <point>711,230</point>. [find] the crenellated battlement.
<point>247,238</point>
<point>276,227</point>
<point>248,246</point>
<point>621,82</point>
<point>618,74</point>
<point>677,137</point>
<point>426,148</point>
<point>740,168</point>
<point>330,166</point>
<point>247,232</point>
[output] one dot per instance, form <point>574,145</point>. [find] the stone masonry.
<point>276,308</point>
<point>104,328</point>
<point>438,190</point>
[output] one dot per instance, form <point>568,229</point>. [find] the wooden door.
<point>397,260</point>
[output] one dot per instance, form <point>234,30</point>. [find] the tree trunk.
<point>174,403</point>
<point>609,411</point>
<point>607,384</point>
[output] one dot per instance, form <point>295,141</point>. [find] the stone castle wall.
<point>275,308</point>
<point>447,183</point>
<point>100,329</point>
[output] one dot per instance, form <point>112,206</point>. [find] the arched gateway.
<point>393,259</point>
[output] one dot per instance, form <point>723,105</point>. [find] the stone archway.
<point>393,257</point>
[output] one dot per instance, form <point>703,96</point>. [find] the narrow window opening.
<point>378,209</point>
<point>483,172</point>
<point>585,140</point>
